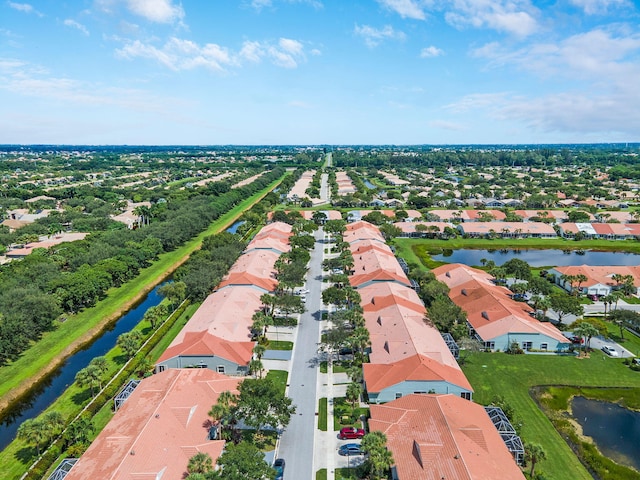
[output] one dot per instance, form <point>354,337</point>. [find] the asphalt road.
<point>297,441</point>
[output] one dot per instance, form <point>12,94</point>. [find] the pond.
<point>368,184</point>
<point>539,258</point>
<point>615,430</point>
<point>234,228</point>
<point>47,391</point>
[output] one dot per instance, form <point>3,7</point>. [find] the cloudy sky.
<point>319,71</point>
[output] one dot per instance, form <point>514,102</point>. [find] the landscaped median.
<point>44,356</point>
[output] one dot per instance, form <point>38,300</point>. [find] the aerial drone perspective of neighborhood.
<point>319,240</point>
<point>270,312</point>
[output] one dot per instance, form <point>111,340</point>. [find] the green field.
<point>513,376</point>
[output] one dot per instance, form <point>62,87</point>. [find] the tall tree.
<point>261,404</point>
<point>242,462</point>
<point>379,458</point>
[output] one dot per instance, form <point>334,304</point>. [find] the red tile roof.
<point>161,425</point>
<point>433,437</point>
<point>416,368</point>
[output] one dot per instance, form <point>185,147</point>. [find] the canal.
<point>47,391</point>
<point>538,258</point>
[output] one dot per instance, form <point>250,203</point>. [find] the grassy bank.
<point>44,356</point>
<point>514,376</point>
<point>522,243</point>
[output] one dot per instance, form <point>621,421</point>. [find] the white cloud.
<point>33,81</point>
<point>430,52</point>
<point>596,55</point>
<point>260,4</point>
<point>24,7</point>
<point>159,11</point>
<point>406,8</point>
<point>594,7</point>
<point>178,54</point>
<point>315,52</point>
<point>374,36</point>
<point>516,17</point>
<point>73,24</point>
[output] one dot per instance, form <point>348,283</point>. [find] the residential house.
<point>162,424</point>
<point>435,437</point>
<point>599,279</point>
<point>496,319</point>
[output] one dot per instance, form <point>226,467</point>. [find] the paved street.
<point>297,442</point>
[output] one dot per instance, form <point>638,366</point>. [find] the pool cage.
<point>61,471</point>
<point>507,432</point>
<point>124,393</point>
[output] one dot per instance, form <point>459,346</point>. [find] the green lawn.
<point>512,377</point>
<point>346,474</point>
<point>322,414</point>
<point>321,474</point>
<point>280,345</point>
<point>532,243</point>
<point>280,378</point>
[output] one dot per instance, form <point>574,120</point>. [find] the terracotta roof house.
<point>558,216</point>
<point>362,230</point>
<point>599,278</point>
<point>253,268</point>
<point>298,191</point>
<point>47,243</point>
<point>507,229</point>
<point>161,425</point>
<point>375,265</point>
<point>607,231</point>
<point>433,437</point>
<point>274,236</point>
<point>495,318</point>
<point>415,374</point>
<point>409,229</point>
<point>396,320</point>
<point>218,336</point>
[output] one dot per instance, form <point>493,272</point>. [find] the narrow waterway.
<point>47,391</point>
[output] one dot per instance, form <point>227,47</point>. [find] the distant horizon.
<point>321,145</point>
<point>319,72</point>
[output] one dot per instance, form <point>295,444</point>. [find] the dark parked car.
<point>577,340</point>
<point>349,433</point>
<point>278,465</point>
<point>350,449</point>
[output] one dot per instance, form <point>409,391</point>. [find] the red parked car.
<point>351,433</point>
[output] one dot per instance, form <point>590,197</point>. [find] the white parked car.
<point>610,351</point>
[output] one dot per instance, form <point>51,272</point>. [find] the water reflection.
<point>537,258</point>
<point>615,430</point>
<point>47,391</point>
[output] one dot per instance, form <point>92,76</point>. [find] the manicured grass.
<point>512,377</point>
<point>342,408</point>
<point>322,414</point>
<point>324,367</point>
<point>321,474</point>
<point>280,378</point>
<point>346,474</point>
<point>280,345</point>
<point>531,243</point>
<point>54,346</point>
<point>632,300</point>
<point>339,368</point>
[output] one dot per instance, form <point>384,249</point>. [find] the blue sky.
<point>319,71</point>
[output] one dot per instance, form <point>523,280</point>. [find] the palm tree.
<point>221,412</point>
<point>379,458</point>
<point>259,350</point>
<point>534,453</point>
<point>256,367</point>
<point>354,390</point>
<point>201,462</point>
<point>580,278</point>
<point>585,330</point>
<point>90,376</point>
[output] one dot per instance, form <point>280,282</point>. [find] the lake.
<point>539,258</point>
<point>234,228</point>
<point>615,430</point>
